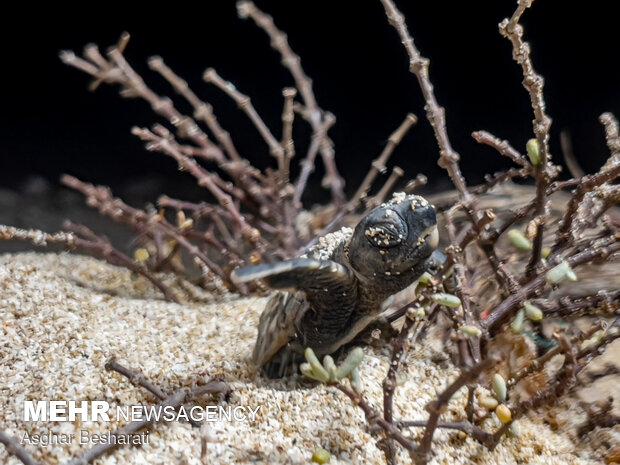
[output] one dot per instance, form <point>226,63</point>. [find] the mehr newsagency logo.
<point>101,411</point>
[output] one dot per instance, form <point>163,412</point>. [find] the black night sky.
<point>50,123</point>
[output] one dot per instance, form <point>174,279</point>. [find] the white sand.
<point>62,316</point>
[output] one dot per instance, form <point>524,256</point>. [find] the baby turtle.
<point>334,292</point>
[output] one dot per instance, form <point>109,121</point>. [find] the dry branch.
<point>418,65</point>
<point>288,145</point>
<point>435,407</point>
<point>374,418</point>
<point>116,70</point>
<point>388,186</point>
<point>502,146</point>
<point>160,140</point>
<point>499,313</point>
<point>307,166</point>
<point>175,400</point>
<point>533,83</point>
<point>244,102</point>
<point>589,183</point>
<point>399,347</point>
<point>14,448</point>
<point>311,112</point>
<point>101,198</point>
<point>136,378</point>
<point>202,111</point>
<point>84,240</point>
<point>378,165</point>
<point>612,136</point>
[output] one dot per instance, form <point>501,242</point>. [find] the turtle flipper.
<point>304,274</point>
<point>276,327</point>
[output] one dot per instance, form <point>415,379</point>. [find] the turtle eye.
<point>389,232</point>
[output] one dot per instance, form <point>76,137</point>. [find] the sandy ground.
<point>62,316</point>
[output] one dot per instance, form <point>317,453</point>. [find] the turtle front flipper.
<point>303,274</point>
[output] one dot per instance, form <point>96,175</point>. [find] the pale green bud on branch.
<point>533,151</point>
<point>319,371</point>
<point>499,387</point>
<point>356,382</point>
<point>519,241</point>
<point>448,300</point>
<point>470,330</point>
<point>330,366</point>
<point>560,272</point>
<point>532,311</point>
<point>350,363</point>
<point>517,323</point>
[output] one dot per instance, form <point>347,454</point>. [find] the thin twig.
<point>288,117</point>
<point>315,116</point>
<point>456,260</point>
<point>307,166</point>
<point>500,178</point>
<point>373,417</point>
<point>379,197</point>
<point>565,234</point>
<point>502,146</point>
<point>175,400</point>
<point>161,142</point>
<point>612,136</point>
<point>605,303</point>
<point>533,83</point>
<point>244,102</point>
<point>15,449</point>
<point>91,244</point>
<point>116,70</point>
<point>538,363</point>
<point>399,346</point>
<point>418,65</point>
<point>101,198</point>
<point>202,111</point>
<point>378,165</point>
<point>436,406</point>
<point>500,312</point>
<point>419,181</point>
<point>465,426</point>
<point>136,378</point>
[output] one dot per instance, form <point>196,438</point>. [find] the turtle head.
<point>394,238</point>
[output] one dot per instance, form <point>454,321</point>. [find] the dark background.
<point>50,124</point>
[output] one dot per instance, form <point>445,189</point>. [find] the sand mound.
<point>62,316</point>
